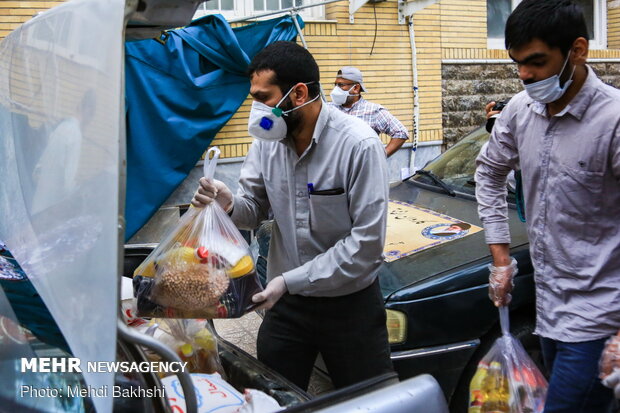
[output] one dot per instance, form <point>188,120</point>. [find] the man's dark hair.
<point>290,63</point>
<point>556,22</point>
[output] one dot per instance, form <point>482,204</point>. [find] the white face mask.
<point>339,96</point>
<point>549,90</point>
<point>266,123</point>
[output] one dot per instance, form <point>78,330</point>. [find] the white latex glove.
<point>212,190</point>
<point>272,293</point>
<point>501,281</point>
<point>609,364</point>
<point>613,382</point>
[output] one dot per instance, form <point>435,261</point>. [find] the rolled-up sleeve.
<point>390,125</point>
<point>354,259</point>
<point>495,161</point>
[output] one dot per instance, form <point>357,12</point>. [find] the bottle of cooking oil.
<point>495,389</point>
<point>476,395</point>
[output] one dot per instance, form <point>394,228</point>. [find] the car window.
<point>456,166</point>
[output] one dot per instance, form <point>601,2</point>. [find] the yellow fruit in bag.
<point>243,267</point>
<point>179,255</point>
<point>205,340</point>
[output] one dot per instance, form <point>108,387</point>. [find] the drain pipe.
<point>416,101</point>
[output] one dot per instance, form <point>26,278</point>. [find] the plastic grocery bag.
<point>193,341</point>
<point>507,380</point>
<point>213,394</point>
<point>202,269</point>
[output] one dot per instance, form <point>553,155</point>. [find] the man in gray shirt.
<point>564,132</point>
<point>324,176</point>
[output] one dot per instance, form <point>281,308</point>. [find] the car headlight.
<point>396,326</point>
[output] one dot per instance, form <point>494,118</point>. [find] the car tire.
<point>523,329</point>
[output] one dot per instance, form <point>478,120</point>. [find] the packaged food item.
<point>130,314</point>
<point>186,281</point>
<point>195,343</point>
<point>202,269</point>
<point>214,394</point>
<point>507,380</point>
<point>476,393</point>
<point>496,396</point>
<point>193,340</point>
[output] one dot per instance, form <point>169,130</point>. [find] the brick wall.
<point>386,68</point>
<point>427,26</point>
<point>463,24</point>
<point>14,13</point>
<point>613,24</point>
<point>467,88</point>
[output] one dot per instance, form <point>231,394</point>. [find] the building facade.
<point>452,48</point>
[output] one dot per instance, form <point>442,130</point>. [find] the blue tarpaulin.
<point>179,95</point>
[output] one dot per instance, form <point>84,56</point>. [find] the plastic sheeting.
<point>179,95</point>
<point>60,113</point>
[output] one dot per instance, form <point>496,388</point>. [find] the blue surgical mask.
<point>549,90</point>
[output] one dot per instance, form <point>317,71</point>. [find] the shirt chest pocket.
<point>329,217</point>
<point>575,197</point>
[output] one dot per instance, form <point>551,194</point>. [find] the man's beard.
<point>292,119</point>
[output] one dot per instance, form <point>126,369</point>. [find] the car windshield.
<point>456,166</point>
